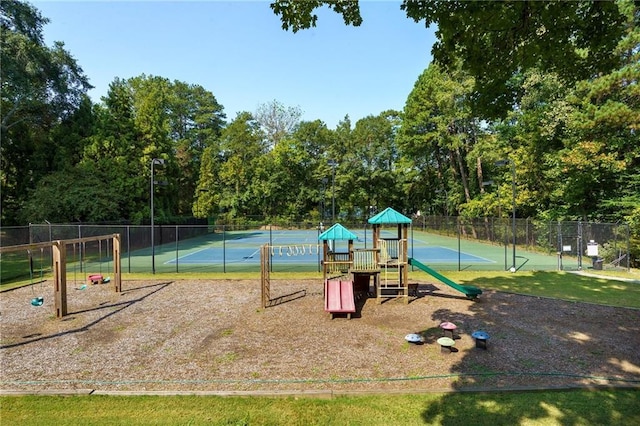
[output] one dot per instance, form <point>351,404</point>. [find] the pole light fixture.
<point>501,163</point>
<point>154,162</point>
<point>323,207</point>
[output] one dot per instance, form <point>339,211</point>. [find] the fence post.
<point>459,232</point>
<point>559,243</point>
<point>80,248</point>
<point>506,243</point>
<point>579,244</point>
<point>270,244</point>
<point>129,247</point>
<point>628,249</point>
<point>177,261</point>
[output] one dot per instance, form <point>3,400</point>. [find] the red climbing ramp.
<point>338,297</point>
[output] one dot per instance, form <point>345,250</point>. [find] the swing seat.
<point>37,301</point>
<point>96,279</point>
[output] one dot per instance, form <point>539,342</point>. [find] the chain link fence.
<point>577,245</point>
<point>234,247</point>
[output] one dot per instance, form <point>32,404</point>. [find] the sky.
<point>238,51</point>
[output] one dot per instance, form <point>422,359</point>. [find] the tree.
<point>297,15</point>
<point>277,121</point>
<point>77,194</point>
<point>206,200</point>
<point>599,164</point>
<point>369,166</point>
<point>308,145</point>
<point>496,40</point>
<point>241,144</point>
<point>148,117</point>
<point>437,133</point>
<point>531,136</point>
<point>40,87</point>
<point>196,120</point>
<point>116,151</point>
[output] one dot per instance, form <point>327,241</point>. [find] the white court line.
<point>461,252</point>
<point>177,259</point>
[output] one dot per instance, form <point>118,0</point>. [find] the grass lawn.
<point>583,407</point>
<point>560,285</point>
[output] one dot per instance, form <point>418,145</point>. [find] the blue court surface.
<point>307,253</point>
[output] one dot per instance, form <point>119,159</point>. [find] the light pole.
<point>513,188</point>
<point>333,164</point>
<point>159,162</point>
<point>323,205</point>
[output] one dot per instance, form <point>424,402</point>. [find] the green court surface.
<point>293,250</point>
<point>298,250</point>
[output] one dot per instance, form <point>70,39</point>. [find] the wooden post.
<point>376,236</point>
<point>264,274</point>
<point>325,259</point>
<point>117,264</point>
<point>60,277</point>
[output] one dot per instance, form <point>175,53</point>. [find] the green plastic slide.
<point>469,290</point>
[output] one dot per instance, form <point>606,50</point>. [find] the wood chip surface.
<point>199,335</point>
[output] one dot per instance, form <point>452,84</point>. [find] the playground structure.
<point>470,291</point>
<point>59,266</point>
<point>266,252</point>
<point>386,264</point>
<point>348,272</point>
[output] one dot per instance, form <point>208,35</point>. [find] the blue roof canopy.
<point>389,216</point>
<point>337,232</point>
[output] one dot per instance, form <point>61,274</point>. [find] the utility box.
<point>597,264</point>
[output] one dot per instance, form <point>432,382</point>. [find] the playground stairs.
<point>391,284</point>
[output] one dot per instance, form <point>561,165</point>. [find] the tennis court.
<point>308,253</point>
<point>299,250</point>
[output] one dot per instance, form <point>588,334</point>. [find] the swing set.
<point>36,300</point>
<point>59,267</point>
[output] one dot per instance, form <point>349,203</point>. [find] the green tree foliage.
<point>176,121</point>
<point>242,143</point>
<point>297,15</point>
<point>206,201</point>
<point>599,163</point>
<point>77,194</point>
<point>115,150</point>
<point>530,136</point>
<point>438,132</point>
<point>40,86</point>
<point>196,122</point>
<point>496,40</point>
<point>368,168</point>
<point>296,170</point>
